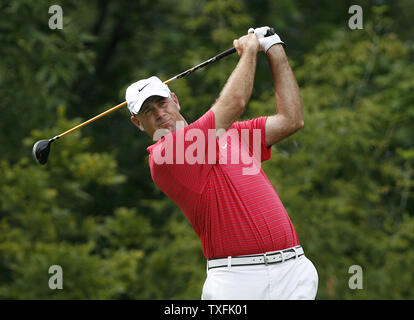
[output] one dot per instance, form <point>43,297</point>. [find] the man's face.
<point>160,114</point>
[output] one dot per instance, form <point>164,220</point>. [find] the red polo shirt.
<point>223,192</point>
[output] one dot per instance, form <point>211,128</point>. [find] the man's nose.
<point>159,112</point>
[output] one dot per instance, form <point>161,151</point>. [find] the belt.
<point>258,259</point>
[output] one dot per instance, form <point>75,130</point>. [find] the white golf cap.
<point>139,91</point>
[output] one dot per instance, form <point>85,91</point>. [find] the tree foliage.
<point>346,179</point>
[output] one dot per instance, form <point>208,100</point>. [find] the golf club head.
<point>41,150</point>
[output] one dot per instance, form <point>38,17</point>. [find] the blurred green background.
<point>346,179</point>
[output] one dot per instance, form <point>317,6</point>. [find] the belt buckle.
<point>265,259</point>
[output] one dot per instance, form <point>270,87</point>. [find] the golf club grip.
<point>269,33</point>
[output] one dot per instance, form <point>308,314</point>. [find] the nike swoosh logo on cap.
<point>139,90</point>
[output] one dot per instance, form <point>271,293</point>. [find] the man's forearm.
<point>288,100</point>
<point>237,91</point>
<point>239,86</point>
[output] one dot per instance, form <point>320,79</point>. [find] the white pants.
<point>295,279</point>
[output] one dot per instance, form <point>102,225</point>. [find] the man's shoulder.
<point>207,119</point>
<point>254,123</point>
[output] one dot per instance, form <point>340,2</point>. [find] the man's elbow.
<point>296,125</point>
<point>239,104</point>
<point>240,101</point>
<point>298,119</point>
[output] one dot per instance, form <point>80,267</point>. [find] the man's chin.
<point>172,126</point>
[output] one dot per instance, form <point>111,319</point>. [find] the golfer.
<point>211,170</point>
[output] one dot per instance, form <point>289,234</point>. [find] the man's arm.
<point>289,117</point>
<point>236,93</point>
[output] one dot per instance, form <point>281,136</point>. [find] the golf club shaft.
<point>123,104</point>
<point>203,64</point>
<point>93,119</point>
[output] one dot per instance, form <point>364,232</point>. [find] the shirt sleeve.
<point>251,126</point>
<point>186,156</point>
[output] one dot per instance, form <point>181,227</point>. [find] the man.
<point>250,244</point>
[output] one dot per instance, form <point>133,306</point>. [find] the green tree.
<point>346,179</point>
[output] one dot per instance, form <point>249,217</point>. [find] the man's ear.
<point>175,99</point>
<point>137,123</point>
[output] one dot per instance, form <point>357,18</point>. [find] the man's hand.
<point>248,43</point>
<point>265,42</point>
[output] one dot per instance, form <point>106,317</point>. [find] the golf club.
<point>41,148</point>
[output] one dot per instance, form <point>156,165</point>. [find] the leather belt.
<point>258,259</point>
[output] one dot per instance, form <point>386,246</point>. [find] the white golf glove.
<point>265,42</point>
